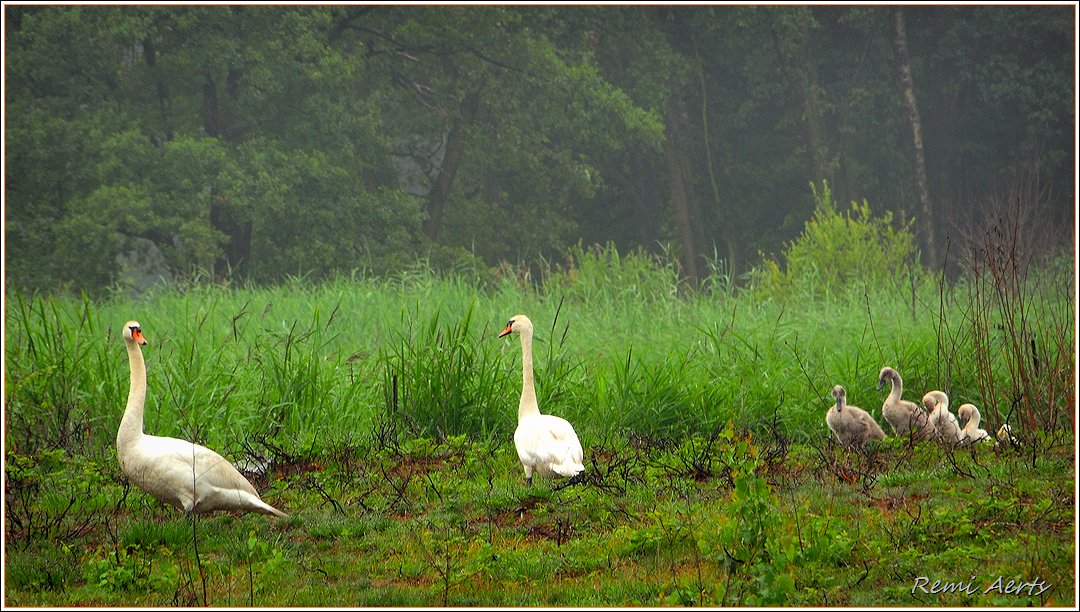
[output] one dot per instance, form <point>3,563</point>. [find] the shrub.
<point>838,250</point>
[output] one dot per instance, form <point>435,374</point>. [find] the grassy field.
<point>385,410</point>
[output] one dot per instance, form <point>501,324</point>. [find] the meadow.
<point>379,414</point>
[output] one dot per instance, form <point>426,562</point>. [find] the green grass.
<point>303,362</point>
<point>386,408</point>
<point>451,523</point>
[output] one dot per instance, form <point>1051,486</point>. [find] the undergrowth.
<point>717,520</point>
<point>380,412</point>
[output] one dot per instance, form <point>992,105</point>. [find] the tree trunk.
<point>211,117</point>
<point>922,188</point>
<point>150,53</point>
<point>723,210</point>
<point>638,186</point>
<point>444,182</point>
<point>813,103</point>
<point>792,36</point>
<point>681,202</point>
<point>455,148</point>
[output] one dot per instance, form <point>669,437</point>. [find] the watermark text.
<point>1038,586</point>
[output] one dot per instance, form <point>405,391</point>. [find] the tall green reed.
<point>442,379</point>
<point>56,368</point>
<point>620,346</point>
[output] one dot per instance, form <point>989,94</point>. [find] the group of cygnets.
<point>854,427</point>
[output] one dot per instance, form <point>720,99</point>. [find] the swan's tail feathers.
<point>265,508</point>
<point>1005,436</point>
<point>569,470</point>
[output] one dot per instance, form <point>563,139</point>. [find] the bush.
<point>838,251</point>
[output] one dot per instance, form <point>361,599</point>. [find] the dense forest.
<point>261,142</point>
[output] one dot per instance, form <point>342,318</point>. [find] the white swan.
<point>1005,436</point>
<point>184,475</point>
<point>906,418</point>
<point>546,444</point>
<point>943,421</point>
<point>852,425</point>
<point>971,431</point>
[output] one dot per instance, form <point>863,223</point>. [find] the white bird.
<point>906,418</point>
<point>546,444</point>
<point>852,425</point>
<point>943,421</point>
<point>182,474</point>
<point>971,431</point>
<point>1005,436</point>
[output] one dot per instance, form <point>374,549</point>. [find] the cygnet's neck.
<point>896,388</point>
<point>942,406</point>
<point>973,420</point>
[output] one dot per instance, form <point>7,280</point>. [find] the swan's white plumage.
<point>905,417</point>
<point>549,445</point>
<point>971,431</point>
<point>185,475</point>
<point>546,444</point>
<point>944,422</point>
<point>851,425</point>
<point>1005,436</point>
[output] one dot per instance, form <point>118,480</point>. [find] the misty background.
<point>257,143</point>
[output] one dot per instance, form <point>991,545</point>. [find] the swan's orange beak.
<point>507,330</point>
<point>136,335</point>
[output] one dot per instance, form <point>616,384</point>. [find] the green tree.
<point>263,141</point>
<point>229,137</point>
<point>839,250</point>
<point>504,116</point>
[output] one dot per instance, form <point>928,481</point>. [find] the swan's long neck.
<point>973,421</point>
<point>131,426</point>
<point>527,406</point>
<point>896,389</point>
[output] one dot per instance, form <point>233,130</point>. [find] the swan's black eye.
<point>510,323</point>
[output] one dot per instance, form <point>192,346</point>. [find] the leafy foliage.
<point>255,143</point>
<point>841,252</point>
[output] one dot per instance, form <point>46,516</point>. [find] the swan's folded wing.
<point>179,461</point>
<point>561,429</point>
<point>549,444</point>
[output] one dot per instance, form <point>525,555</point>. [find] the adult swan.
<point>546,444</point>
<point>182,474</point>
